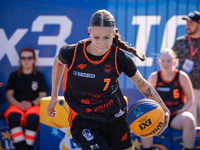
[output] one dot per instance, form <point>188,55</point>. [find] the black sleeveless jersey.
<point>91,88</point>
<point>171,92</point>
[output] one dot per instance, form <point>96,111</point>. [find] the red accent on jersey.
<point>85,101</point>
<point>88,110</point>
<point>160,84</point>
<point>82,66</point>
<point>125,136</point>
<point>168,103</point>
<point>72,115</point>
<point>103,107</point>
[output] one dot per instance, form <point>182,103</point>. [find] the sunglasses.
<point>26,58</point>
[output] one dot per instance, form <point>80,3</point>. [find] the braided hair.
<point>106,19</point>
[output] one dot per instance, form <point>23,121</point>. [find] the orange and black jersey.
<point>90,86</point>
<point>171,92</point>
<point>124,62</point>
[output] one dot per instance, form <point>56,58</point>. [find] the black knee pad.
<point>32,122</point>
<point>14,120</point>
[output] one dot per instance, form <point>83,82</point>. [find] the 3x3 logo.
<point>145,124</point>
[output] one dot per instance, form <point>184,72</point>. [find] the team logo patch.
<point>34,85</point>
<point>81,74</point>
<point>175,83</point>
<point>107,68</point>
<point>137,111</point>
<point>86,133</point>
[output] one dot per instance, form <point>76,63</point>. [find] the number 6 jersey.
<point>171,92</point>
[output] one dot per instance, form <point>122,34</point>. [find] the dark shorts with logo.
<point>90,134</point>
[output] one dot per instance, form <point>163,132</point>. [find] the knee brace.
<point>32,122</point>
<point>14,120</point>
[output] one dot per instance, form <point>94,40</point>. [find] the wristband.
<point>32,103</point>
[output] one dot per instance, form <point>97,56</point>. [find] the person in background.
<point>187,50</point>
<point>24,90</point>
<point>174,86</point>
<point>97,114</point>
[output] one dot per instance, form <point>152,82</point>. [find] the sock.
<point>188,148</point>
<point>21,145</point>
<point>30,147</point>
<point>150,148</point>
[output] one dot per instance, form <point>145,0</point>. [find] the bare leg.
<point>147,142</point>
<point>185,121</point>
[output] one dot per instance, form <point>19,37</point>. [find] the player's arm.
<point>147,89</point>
<point>150,93</point>
<point>57,72</point>
<point>188,90</point>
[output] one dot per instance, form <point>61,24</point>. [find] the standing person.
<point>24,90</point>
<point>173,86</point>
<point>187,50</point>
<point>97,115</point>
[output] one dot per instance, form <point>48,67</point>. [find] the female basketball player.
<point>172,85</point>
<point>97,108</point>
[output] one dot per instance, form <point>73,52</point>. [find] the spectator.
<point>188,53</point>
<point>24,90</point>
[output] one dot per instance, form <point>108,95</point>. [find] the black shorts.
<point>90,134</point>
<point>170,120</point>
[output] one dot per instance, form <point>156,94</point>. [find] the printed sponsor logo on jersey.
<point>125,136</point>
<point>86,133</point>
<point>175,83</point>
<point>95,95</point>
<point>107,68</point>
<point>82,66</point>
<point>81,74</point>
<point>163,89</point>
<point>85,101</point>
<point>95,98</point>
<point>160,83</point>
<point>88,110</point>
<point>103,107</point>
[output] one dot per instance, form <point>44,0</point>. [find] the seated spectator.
<point>24,90</point>
<point>172,85</point>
